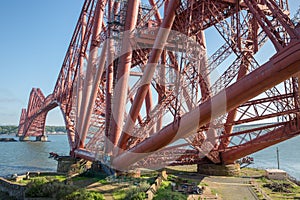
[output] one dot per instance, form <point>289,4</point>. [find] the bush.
<point>133,192</point>
<point>41,187</point>
<point>165,193</point>
<point>84,195</point>
<point>49,189</point>
<point>35,188</point>
<point>168,194</point>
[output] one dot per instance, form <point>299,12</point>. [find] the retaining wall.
<point>156,185</point>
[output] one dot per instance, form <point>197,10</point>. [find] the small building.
<point>276,174</point>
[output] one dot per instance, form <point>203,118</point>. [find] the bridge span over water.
<point>137,87</point>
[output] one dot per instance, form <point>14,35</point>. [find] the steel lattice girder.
<point>94,97</point>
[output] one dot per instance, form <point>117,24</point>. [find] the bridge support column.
<point>23,138</point>
<point>70,165</point>
<point>42,138</point>
<point>64,163</point>
<point>219,170</point>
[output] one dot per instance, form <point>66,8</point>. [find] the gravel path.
<point>231,188</point>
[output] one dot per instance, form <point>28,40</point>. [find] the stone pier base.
<point>42,138</point>
<point>24,138</point>
<point>64,164</point>
<point>71,166</point>
<point>130,173</point>
<point>219,170</point>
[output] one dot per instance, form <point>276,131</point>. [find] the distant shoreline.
<point>56,133</point>
<point>48,133</point>
<point>7,140</point>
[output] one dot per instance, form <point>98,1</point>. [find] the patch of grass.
<point>41,187</point>
<point>294,190</point>
<point>103,181</point>
<point>172,177</point>
<point>25,182</point>
<point>165,192</point>
<point>80,178</point>
<point>60,178</point>
<point>263,180</point>
<point>119,194</point>
<point>84,195</point>
<point>252,172</point>
<point>214,191</point>
<point>137,192</point>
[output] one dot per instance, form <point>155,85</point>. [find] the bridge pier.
<point>24,138</point>
<point>219,170</point>
<point>42,138</point>
<point>70,165</point>
<point>64,163</point>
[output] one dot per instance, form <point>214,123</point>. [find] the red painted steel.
<point>149,96</point>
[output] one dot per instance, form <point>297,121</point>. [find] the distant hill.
<point>14,129</point>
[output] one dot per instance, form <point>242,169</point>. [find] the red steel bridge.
<point>138,87</point>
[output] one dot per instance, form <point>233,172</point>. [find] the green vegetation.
<point>119,194</point>
<point>53,188</point>
<point>278,189</point>
<point>8,129</point>
<point>14,129</point>
<point>252,172</point>
<point>55,129</point>
<point>59,178</point>
<point>82,194</point>
<point>165,192</point>
<point>135,192</point>
<point>5,195</point>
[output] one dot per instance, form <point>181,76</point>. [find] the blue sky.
<point>34,38</point>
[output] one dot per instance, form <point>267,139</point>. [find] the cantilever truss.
<point>138,88</point>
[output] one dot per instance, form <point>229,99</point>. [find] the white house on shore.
<point>276,174</point>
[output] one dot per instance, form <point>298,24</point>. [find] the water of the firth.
<point>19,157</point>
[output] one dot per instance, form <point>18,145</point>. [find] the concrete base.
<point>219,170</point>
<point>42,138</point>
<point>130,173</point>
<point>24,138</point>
<point>70,165</point>
<point>65,163</point>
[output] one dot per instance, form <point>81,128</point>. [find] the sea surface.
<point>20,157</point>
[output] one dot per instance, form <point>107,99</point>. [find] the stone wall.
<point>13,189</point>
<point>219,170</point>
<point>156,185</point>
<point>65,164</point>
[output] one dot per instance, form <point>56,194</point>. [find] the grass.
<point>119,194</point>
<point>59,178</point>
<point>295,189</point>
<point>132,192</point>
<point>103,181</point>
<point>54,187</point>
<point>252,172</point>
<point>80,178</point>
<point>214,191</point>
<point>166,192</point>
